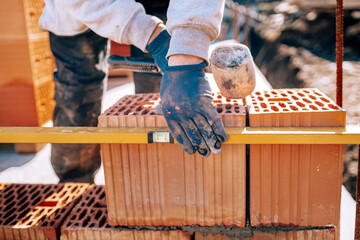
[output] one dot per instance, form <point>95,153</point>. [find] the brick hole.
<point>217,101</point>
<point>306,91</point>
<point>267,95</point>
<point>261,98</point>
<point>68,224</point>
<point>256,108</point>
<point>82,214</point>
<point>271,103</point>
<point>127,112</point>
<point>313,107</point>
<point>301,94</point>
<point>273,92</point>
<point>257,93</point>
<point>213,94</point>
<point>98,215</point>
<point>128,102</point>
<point>152,113</point>
<point>320,104</point>
<point>86,221</point>
<point>91,225</point>
<point>237,107</point>
<point>263,105</point>
<point>219,96</point>
<point>290,92</point>
<point>317,93</point>
<point>281,104</point>
<point>228,100</point>
<point>274,108</point>
<point>78,210</point>
<point>139,108</point>
<point>306,100</point>
<point>236,111</point>
<point>266,110</point>
<point>293,108</point>
<point>102,196</point>
<point>324,100</point>
<point>219,109</point>
<point>300,104</point>
<point>284,95</point>
<point>324,109</point>
<point>24,212</point>
<point>235,101</point>
<point>305,109</point>
<point>121,109</point>
<point>140,99</point>
<point>131,107</point>
<point>333,106</point>
<point>285,110</point>
<point>35,201</point>
<point>9,213</point>
<point>295,97</point>
<point>102,221</point>
<point>90,202</point>
<point>312,97</point>
<point>73,217</point>
<point>228,106</point>
<point>228,111</point>
<point>44,223</point>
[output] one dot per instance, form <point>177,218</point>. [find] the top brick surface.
<point>294,108</point>
<point>231,111</point>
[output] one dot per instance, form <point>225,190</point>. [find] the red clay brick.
<point>88,220</point>
<point>36,211</point>
<point>158,184</point>
<point>295,184</point>
<point>315,234</point>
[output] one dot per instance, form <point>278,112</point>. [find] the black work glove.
<point>158,48</point>
<point>186,102</point>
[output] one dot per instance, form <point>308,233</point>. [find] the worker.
<point>79,33</point>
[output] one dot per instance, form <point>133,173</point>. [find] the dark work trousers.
<point>79,84</point>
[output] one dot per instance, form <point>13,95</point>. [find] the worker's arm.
<point>123,21</point>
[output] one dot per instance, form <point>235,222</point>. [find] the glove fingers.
<point>208,134</point>
<point>196,138</point>
<point>216,123</point>
<point>179,134</point>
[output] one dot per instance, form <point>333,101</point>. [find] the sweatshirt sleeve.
<point>193,25</point>
<point>123,21</point>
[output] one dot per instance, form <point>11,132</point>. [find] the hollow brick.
<point>295,184</point>
<point>158,184</point>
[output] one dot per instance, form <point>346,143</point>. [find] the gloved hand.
<point>186,103</point>
<point>159,47</point>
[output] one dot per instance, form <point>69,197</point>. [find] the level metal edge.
<point>249,135</point>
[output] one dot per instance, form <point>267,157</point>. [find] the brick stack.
<point>26,65</point>
<point>291,186</point>
<point>36,211</point>
<point>158,184</point>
